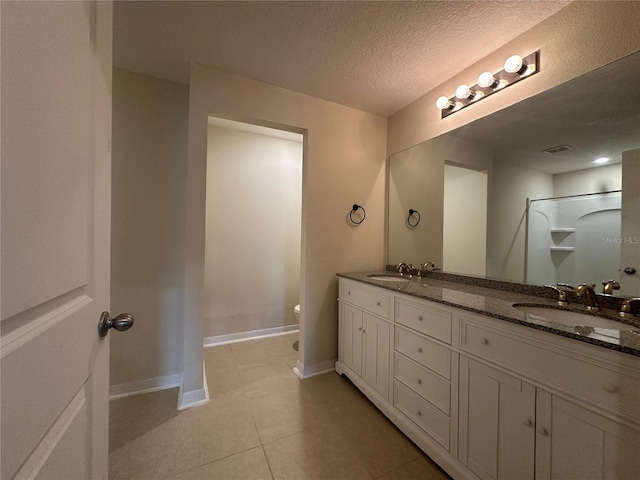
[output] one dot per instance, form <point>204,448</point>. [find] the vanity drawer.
<point>582,376</point>
<point>425,415</point>
<point>426,319</point>
<point>427,353</point>
<point>428,385</point>
<point>370,299</point>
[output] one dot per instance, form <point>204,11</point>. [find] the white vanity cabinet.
<point>575,443</point>
<point>574,418</point>
<point>425,367</point>
<point>497,422</point>
<point>365,337</point>
<point>487,398</point>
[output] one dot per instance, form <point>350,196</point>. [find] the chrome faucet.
<point>405,268</point>
<point>609,286</point>
<point>561,289</point>
<point>589,294</point>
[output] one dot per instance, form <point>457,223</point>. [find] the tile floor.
<point>262,423</point>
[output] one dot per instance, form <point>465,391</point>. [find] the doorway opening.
<point>464,242</point>
<point>252,273</point>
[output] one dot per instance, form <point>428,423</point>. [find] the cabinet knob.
<point>485,341</point>
<point>419,413</point>
<point>349,292</point>
<point>378,304</point>
<point>419,381</point>
<point>359,329</point>
<point>420,318</point>
<point>527,422</point>
<point>363,331</point>
<point>419,349</point>
<point>610,388</point>
<point>543,431</point>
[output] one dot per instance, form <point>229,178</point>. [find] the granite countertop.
<point>476,296</point>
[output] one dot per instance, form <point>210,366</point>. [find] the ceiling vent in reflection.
<point>558,149</point>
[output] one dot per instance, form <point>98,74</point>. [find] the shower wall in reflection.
<point>574,239</point>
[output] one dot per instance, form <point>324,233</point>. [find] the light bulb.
<point>463,91</point>
<point>443,103</point>
<point>601,160</point>
<point>487,80</point>
<point>513,64</point>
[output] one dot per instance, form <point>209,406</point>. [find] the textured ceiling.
<point>374,56</point>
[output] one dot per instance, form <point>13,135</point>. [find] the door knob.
<point>122,322</point>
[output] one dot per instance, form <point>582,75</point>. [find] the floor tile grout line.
<point>175,474</point>
<point>268,462</point>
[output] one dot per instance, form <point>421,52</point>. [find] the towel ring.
<point>413,212</point>
<point>355,208</point>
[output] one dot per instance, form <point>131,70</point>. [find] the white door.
<point>55,222</point>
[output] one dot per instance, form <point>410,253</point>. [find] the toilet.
<point>296,312</point>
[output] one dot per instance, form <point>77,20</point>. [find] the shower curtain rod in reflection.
<point>575,196</point>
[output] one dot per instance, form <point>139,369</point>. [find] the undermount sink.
<point>389,278</point>
<point>572,319</point>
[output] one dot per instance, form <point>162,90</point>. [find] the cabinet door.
<point>376,353</point>
<point>497,416</point>
<point>351,337</point>
<point>575,443</point>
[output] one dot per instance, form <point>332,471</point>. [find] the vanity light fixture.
<point>514,64</point>
<point>443,103</point>
<point>487,80</point>
<point>463,92</point>
<point>515,69</point>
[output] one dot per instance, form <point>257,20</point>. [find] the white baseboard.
<point>252,335</point>
<point>311,371</point>
<point>194,398</point>
<point>144,386</point>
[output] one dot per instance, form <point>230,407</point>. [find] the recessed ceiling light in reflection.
<point>601,160</point>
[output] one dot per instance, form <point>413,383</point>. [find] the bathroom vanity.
<point>488,390</point>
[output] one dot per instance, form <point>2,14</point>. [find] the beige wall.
<point>344,163</point>
<point>416,180</point>
<point>590,180</point>
<point>252,252</point>
<point>579,38</point>
<point>509,187</point>
<point>147,236</point>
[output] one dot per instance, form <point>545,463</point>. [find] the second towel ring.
<point>355,208</point>
<point>413,212</point>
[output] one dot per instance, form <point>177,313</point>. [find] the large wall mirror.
<point>516,195</point>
